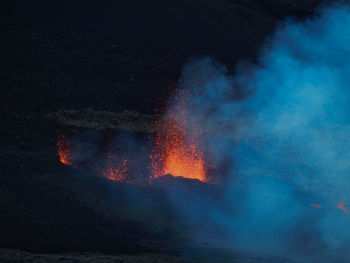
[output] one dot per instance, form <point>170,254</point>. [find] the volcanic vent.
<point>175,150</point>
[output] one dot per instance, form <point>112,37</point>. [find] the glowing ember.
<point>174,155</point>
<point>341,206</point>
<point>316,205</point>
<point>64,150</point>
<point>115,167</point>
<point>116,171</point>
<point>176,151</point>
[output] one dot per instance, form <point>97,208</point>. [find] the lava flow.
<point>177,151</point>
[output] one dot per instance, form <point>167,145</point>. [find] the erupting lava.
<point>115,168</point>
<point>176,156</point>
<point>64,150</point>
<point>116,171</point>
<point>177,151</point>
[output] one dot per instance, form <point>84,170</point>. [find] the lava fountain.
<point>176,150</point>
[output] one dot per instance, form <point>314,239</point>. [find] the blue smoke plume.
<point>280,132</point>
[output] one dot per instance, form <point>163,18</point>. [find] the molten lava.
<point>175,155</point>
<point>64,150</point>
<point>177,150</point>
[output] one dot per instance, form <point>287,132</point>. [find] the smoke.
<point>279,131</point>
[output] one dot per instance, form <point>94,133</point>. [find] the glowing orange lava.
<point>177,151</point>
<point>116,171</point>
<point>64,150</point>
<point>114,168</point>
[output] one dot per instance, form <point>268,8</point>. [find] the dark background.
<point>111,56</point>
<point>225,29</point>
